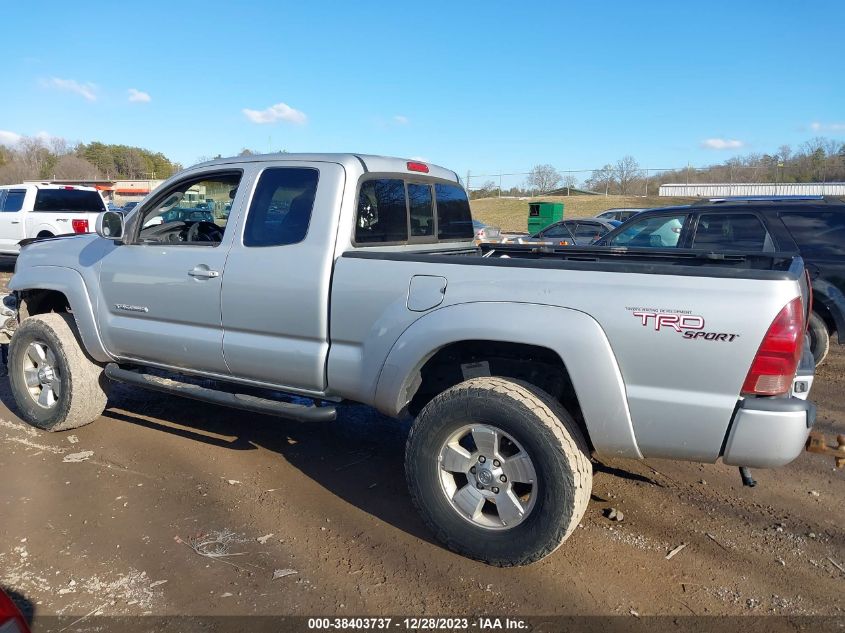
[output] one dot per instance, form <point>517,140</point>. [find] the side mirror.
<point>109,225</point>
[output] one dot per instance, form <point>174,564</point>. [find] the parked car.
<point>129,206</point>
<point>516,364</point>
<point>111,206</point>
<point>620,215</point>
<point>45,210</point>
<point>485,233</point>
<point>812,226</point>
<point>575,232</point>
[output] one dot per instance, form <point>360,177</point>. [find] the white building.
<point>724,189</point>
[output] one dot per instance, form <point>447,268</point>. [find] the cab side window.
<point>281,207</point>
<point>192,212</point>
<point>13,200</point>
<point>731,232</point>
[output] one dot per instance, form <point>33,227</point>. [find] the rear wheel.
<point>55,385</point>
<point>499,471</point>
<point>819,338</point>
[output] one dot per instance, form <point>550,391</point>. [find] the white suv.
<point>44,210</point>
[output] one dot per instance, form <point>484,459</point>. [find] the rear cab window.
<point>69,200</point>
<point>397,211</point>
<point>731,232</point>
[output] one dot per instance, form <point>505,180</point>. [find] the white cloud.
<point>721,143</point>
<point>817,126</point>
<point>8,138</point>
<point>400,119</point>
<point>86,90</point>
<point>139,96</point>
<point>278,112</point>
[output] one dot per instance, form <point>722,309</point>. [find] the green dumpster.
<point>542,214</point>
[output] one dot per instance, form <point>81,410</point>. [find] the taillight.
<point>11,620</point>
<point>777,359</point>
<point>79,226</point>
<point>417,166</point>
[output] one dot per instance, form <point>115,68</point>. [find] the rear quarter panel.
<point>681,392</point>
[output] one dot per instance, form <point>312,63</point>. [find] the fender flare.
<point>833,300</point>
<point>70,283</point>
<point>574,336</point>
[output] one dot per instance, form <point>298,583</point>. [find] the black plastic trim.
<point>604,260</point>
<point>288,410</point>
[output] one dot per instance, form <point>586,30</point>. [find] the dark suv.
<point>812,226</point>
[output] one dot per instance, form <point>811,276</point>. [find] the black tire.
<point>552,440</point>
<point>80,398</point>
<point>819,338</point>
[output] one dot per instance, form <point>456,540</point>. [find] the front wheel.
<point>55,385</point>
<point>498,470</point>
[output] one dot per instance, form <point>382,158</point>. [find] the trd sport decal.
<point>690,326</point>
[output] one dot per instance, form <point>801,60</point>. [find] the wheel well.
<point>538,366</point>
<point>45,234</point>
<point>31,302</point>
<point>822,310</point>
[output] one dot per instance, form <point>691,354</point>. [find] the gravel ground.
<point>183,508</point>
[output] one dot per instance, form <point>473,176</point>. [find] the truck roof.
<point>48,185</point>
<point>369,162</point>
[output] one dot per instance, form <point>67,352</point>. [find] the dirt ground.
<point>324,508</point>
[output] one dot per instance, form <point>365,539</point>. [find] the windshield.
<point>73,200</point>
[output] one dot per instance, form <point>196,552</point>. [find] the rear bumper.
<point>771,432</point>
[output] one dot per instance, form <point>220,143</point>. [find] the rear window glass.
<point>281,207</point>
<point>422,211</point>
<point>730,232</point>
<point>818,234</point>
<point>13,200</point>
<point>382,212</point>
<point>68,200</point>
<point>454,220</point>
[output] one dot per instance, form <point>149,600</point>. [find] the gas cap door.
<point>426,292</point>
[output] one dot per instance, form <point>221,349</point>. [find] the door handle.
<point>16,221</point>
<point>203,273</point>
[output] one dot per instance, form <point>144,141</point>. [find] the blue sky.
<point>486,86</point>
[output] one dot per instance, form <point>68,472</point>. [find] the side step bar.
<point>288,410</point>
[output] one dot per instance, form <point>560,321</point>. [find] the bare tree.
<point>70,167</point>
<point>543,178</point>
<point>627,173</point>
<point>603,179</point>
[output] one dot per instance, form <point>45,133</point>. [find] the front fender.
<point>70,283</point>
<point>575,336</point>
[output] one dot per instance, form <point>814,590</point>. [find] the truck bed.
<point>679,262</point>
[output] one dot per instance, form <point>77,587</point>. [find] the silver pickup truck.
<point>333,277</point>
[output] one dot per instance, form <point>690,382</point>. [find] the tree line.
<point>35,158</point>
<point>817,160</point>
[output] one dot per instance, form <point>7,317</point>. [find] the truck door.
<point>276,286</point>
<point>11,219</point>
<point>160,298</point>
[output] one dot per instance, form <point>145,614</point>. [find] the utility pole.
<point>467,185</point>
